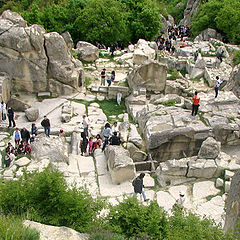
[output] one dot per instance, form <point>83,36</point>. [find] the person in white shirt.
<point>180,201</point>
<point>3,110</point>
<point>85,124</point>
<point>115,128</point>
<point>217,86</point>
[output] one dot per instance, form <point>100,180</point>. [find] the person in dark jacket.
<point>138,186</point>
<point>10,114</point>
<point>25,135</point>
<point>115,140</point>
<point>46,124</point>
<point>83,143</point>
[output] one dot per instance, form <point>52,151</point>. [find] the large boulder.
<point>32,114</point>
<point>17,105</point>
<point>210,149</point>
<point>21,162</point>
<point>233,206</point>
<point>134,136</point>
<point>151,75</point>
<point>207,34</point>
<point>234,82</point>
<point>48,232</point>
<point>120,165</point>
<point>68,39</point>
<point>87,52</point>
<point>54,149</point>
<point>31,57</point>
<point>190,11</point>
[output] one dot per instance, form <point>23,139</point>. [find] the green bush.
<point>131,218</point>
<point>101,234</point>
<point>236,58</point>
<point>11,228</point>
<point>47,199</point>
<point>174,75</point>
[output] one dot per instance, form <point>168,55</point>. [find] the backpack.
<point>134,182</point>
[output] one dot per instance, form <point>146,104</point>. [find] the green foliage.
<point>132,218</point>
<point>11,228</point>
<point>47,199</point>
<point>87,82</point>
<point>236,58</point>
<point>168,103</point>
<point>195,79</point>
<point>174,75</point>
<point>101,234</point>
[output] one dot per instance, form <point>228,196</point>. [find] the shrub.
<point>11,228</point>
<point>47,199</point>
<point>236,58</point>
<point>174,75</point>
<point>131,218</point>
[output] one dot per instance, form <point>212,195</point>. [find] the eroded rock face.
<point>53,149</point>
<point>207,34</point>
<point>48,232</point>
<point>32,57</point>
<point>32,114</point>
<point>151,75</point>
<point>87,52</point>
<point>233,205</point>
<point>210,149</point>
<point>121,166</point>
<point>234,81</point>
<point>190,11</point>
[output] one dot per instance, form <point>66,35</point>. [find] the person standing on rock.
<point>83,144</point>
<point>85,124</point>
<point>17,137</point>
<point>195,57</point>
<point>11,117</point>
<point>195,106</point>
<point>25,135</point>
<point>180,201</point>
<point>106,134</point>
<point>138,186</point>
<point>3,111</point>
<point>103,76</point>
<point>46,124</point>
<point>217,86</point>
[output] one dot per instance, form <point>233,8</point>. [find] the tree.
<point>103,21</point>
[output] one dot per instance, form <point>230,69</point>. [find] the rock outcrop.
<point>190,11</point>
<point>32,114</point>
<point>34,60</point>
<point>86,51</point>
<point>233,206</point>
<point>120,165</point>
<point>234,81</point>
<point>53,149</point>
<point>48,232</point>
<point>207,34</point>
<point>151,75</point>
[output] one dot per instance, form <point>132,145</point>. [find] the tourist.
<point>34,129</point>
<point>180,201</point>
<point>90,146</point>
<point>113,76</point>
<point>109,81</point>
<point>17,137</point>
<point>115,140</point>
<point>85,124</point>
<point>7,160</point>
<point>3,110</point>
<point>106,134</point>
<point>28,149</point>
<point>12,156</point>
<point>11,117</point>
<point>46,124</point>
<point>195,56</point>
<point>9,148</point>
<point>138,186</point>
<point>103,75</point>
<point>220,55</point>
<point>61,133</point>
<point>97,143</point>
<point>21,148</point>
<point>217,86</point>
<point>184,44</point>
<point>195,106</point>
<point>25,135</point>
<point>83,143</point>
<point>115,128</point>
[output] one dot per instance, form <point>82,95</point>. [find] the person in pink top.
<point>90,146</point>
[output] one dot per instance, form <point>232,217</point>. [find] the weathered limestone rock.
<point>67,112</point>
<point>210,149</point>
<point>87,52</point>
<point>219,182</point>
<point>207,34</point>
<point>17,105</point>
<point>54,149</point>
<point>143,52</point>
<point>168,98</point>
<point>204,189</point>
<point>190,11</point>
<point>21,162</point>
<point>234,82</point>
<point>202,168</point>
<point>6,83</point>
<point>151,75</point>
<point>31,57</point>
<point>32,114</point>
<point>233,205</point>
<point>134,136</point>
<point>48,232</point>
<point>120,165</point>
<point>228,174</point>
<point>227,185</point>
<point>68,39</point>
<point>139,156</point>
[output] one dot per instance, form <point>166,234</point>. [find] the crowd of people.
<point>110,135</point>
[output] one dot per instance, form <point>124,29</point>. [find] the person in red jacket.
<point>195,106</point>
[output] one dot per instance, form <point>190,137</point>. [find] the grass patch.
<point>230,119</point>
<point>236,58</point>
<point>168,103</point>
<point>74,54</point>
<point>11,228</point>
<point>183,72</point>
<point>195,79</point>
<point>202,118</point>
<point>174,74</point>
<point>87,82</point>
